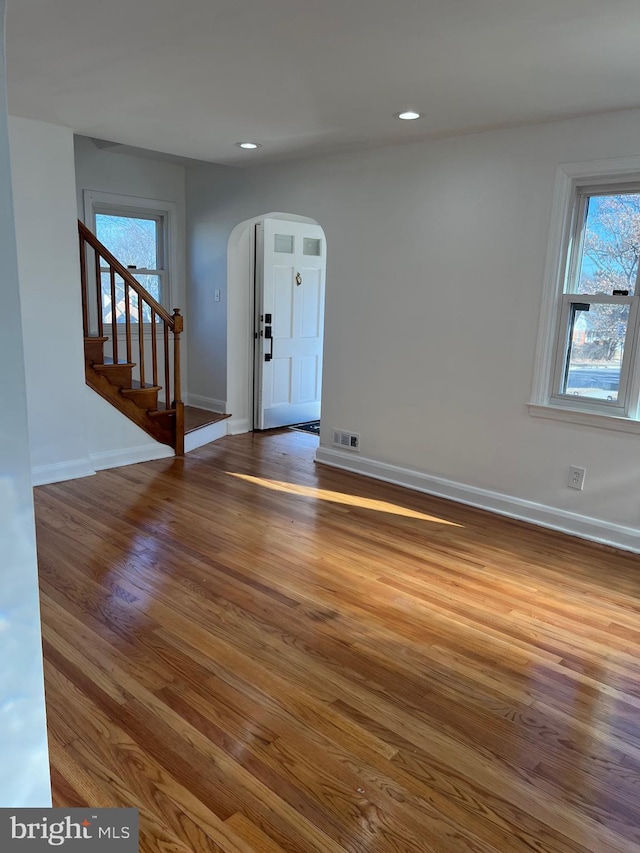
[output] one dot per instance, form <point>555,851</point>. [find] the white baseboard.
<point>204,435</point>
<point>59,471</point>
<point>238,426</point>
<point>585,527</point>
<point>207,403</point>
<point>130,456</point>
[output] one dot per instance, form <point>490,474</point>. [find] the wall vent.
<point>346,440</point>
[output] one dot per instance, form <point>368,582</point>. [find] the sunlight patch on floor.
<point>340,498</point>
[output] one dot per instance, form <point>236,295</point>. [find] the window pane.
<point>594,352</point>
<point>119,307</point>
<point>283,243</point>
<point>150,282</point>
<point>611,244</point>
<point>134,242</point>
<point>310,246</point>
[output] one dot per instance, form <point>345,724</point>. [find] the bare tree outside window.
<point>137,243</point>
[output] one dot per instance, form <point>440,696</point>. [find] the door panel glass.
<point>283,243</point>
<point>311,246</point>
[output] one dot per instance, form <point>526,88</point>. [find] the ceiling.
<point>192,78</point>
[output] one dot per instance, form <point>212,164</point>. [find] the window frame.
<point>575,183</point>
<point>96,202</point>
<point>624,403</point>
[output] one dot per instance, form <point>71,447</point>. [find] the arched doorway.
<point>241,256</point>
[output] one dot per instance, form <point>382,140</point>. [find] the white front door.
<point>289,322</point>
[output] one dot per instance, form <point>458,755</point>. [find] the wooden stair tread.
<point>195,418</point>
<point>89,339</point>
<point>118,363</point>
<point>109,366</point>
<point>137,387</point>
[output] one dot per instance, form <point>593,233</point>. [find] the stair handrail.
<point>172,322</point>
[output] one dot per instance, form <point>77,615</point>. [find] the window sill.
<point>592,419</point>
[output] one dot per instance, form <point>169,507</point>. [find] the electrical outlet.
<point>576,478</point>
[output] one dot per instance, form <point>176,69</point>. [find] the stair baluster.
<point>114,315</point>
<point>141,340</point>
<point>167,375</point>
<point>99,300</point>
<point>154,345</point>
<point>127,320</point>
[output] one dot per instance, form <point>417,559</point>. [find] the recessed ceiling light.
<point>408,115</point>
<point>248,145</point>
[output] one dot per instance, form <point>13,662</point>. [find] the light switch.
<point>216,295</point>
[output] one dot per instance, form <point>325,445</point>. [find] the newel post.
<point>177,404</point>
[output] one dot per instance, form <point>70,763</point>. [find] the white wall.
<point>436,255</point>
<point>211,191</point>
<point>45,214</point>
<point>24,769</point>
<point>115,440</point>
<point>106,170</point>
<point>70,433</point>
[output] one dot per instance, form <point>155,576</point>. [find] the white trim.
<point>585,527</point>
<point>204,435</point>
<point>206,403</point>
<point>602,170</point>
<point>59,471</point>
<point>576,416</point>
<point>560,227</point>
<point>130,456</point>
<point>239,426</point>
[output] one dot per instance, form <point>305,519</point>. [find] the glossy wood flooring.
<point>266,655</point>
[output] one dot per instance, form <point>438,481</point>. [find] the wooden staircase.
<point>123,322</point>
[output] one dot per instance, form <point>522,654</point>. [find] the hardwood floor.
<point>266,655</point>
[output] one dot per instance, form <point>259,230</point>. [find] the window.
<point>588,367</point>
<point>598,310</point>
<point>142,234</point>
<point>137,241</point>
